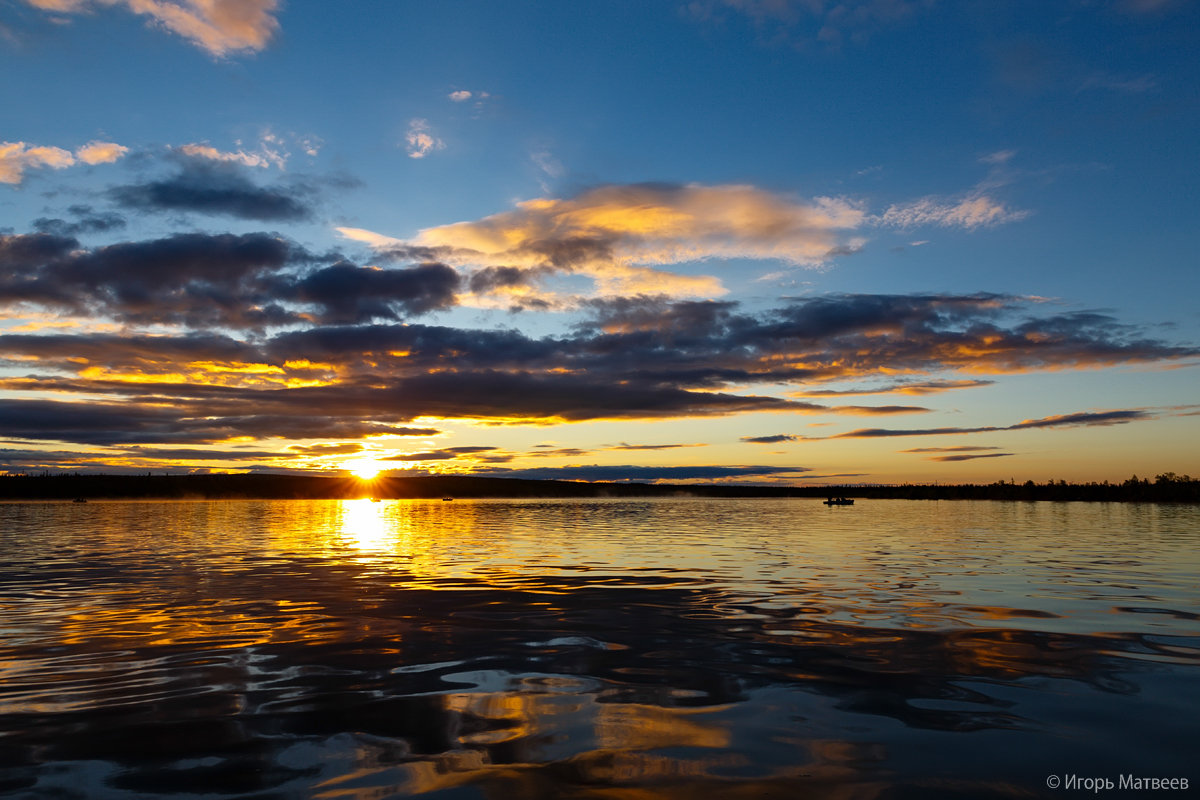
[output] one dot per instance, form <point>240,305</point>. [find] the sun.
<point>364,470</point>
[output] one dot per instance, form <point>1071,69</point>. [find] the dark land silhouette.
<point>1164,488</point>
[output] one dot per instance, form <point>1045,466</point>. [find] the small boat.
<point>839,501</point>
<point>444,499</point>
<point>79,500</point>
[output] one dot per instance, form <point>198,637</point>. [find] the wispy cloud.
<point>912,388</point>
<point>265,157</point>
<point>222,27</point>
<point>1074,420</point>
<point>960,449</point>
<point>1140,84</point>
<point>632,472</point>
<point>974,211</point>
<point>799,22</point>
<point>998,157</point>
<point>420,140</point>
<point>969,457</point>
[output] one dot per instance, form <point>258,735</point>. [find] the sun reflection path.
<point>365,522</point>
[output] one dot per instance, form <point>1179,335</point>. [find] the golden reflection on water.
<point>620,650</point>
<point>367,525</point>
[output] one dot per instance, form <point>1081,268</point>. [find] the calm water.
<point>595,649</point>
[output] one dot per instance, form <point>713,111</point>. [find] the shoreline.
<point>69,486</point>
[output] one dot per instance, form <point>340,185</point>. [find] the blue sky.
<point>901,239</point>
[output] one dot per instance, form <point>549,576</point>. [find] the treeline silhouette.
<point>1165,488</point>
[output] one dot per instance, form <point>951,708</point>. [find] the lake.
<point>667,648</point>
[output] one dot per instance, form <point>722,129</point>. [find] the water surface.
<point>667,648</point>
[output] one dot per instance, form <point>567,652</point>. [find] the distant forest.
<point>1165,488</point>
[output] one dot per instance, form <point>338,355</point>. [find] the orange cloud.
<point>17,157</point>
<point>622,237</point>
<point>95,152</point>
<point>218,26</point>
<point>657,225</point>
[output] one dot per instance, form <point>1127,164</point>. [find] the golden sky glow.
<point>696,274</point>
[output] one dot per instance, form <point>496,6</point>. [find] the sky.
<point>735,241</point>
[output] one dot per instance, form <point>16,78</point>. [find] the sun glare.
<point>364,470</point>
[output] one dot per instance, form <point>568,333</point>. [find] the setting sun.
<point>364,470</point>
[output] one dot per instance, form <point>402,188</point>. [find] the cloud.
<point>969,457</point>
<point>631,472</point>
<point>637,358</point>
<point>1085,418</point>
<point>774,439</point>
<point>460,96</point>
<point>626,238</point>
<point>96,152</point>
<point>18,157</point>
<point>961,449</point>
<point>800,22</point>
<point>263,159</point>
<point>619,235</point>
<point>326,449</point>
<point>349,294</point>
<point>99,423</point>
<point>1141,84</point>
<point>656,224</point>
<point>222,27</point>
<point>879,410</point>
<point>977,210</point>
<point>963,453</point>
<point>208,187</point>
<point>444,454</point>
<point>624,446</point>
<point>998,158</point>
<point>913,388</point>
<point>547,163</point>
<point>1078,419</point>
<point>250,281</point>
<point>86,220</point>
<point>420,139</point>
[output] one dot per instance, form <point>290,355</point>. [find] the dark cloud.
<point>217,188</point>
<point>98,423</point>
<point>1083,418</point>
<point>195,280</point>
<point>342,449</point>
<point>22,252</point>
<point>962,449</point>
<point>624,446</point>
<point>879,411</point>
<point>638,358</point>
<point>631,472</point>
<point>190,279</point>
<point>491,279</point>
<point>775,439</point>
<point>195,454</point>
<point>347,294</point>
<point>968,457</point>
<point>85,220</point>
<point>444,454</point>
